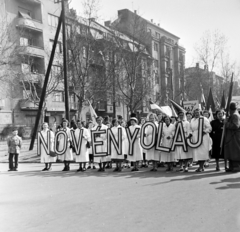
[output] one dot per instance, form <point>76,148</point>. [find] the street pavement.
<point>33,201</point>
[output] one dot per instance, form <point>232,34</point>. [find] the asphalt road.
<point>33,201</point>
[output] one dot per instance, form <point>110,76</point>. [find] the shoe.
<point>228,170</point>
<point>180,170</point>
<point>10,170</point>
<point>206,165</point>
<point>79,170</point>
<point>89,167</point>
<point>168,169</point>
<point>49,169</point>
<point>94,167</point>
<point>45,169</point>
<point>133,170</point>
<point>217,169</point>
<point>84,169</point>
<point>107,167</point>
<point>100,169</point>
<point>146,166</point>
<point>103,169</point>
<point>186,170</point>
<point>115,170</point>
<point>119,170</point>
<point>152,170</point>
<point>136,169</point>
<point>65,169</point>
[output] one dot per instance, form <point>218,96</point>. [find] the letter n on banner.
<point>77,142</point>
<point>179,138</point>
<point>64,139</point>
<point>159,138</point>
<point>96,143</point>
<point>111,139</point>
<point>200,135</point>
<point>154,130</point>
<point>45,144</point>
<point>131,139</point>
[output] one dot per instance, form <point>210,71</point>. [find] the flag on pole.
<point>210,101</point>
<point>217,103</point>
<point>203,101</point>
<point>223,101</point>
<point>177,107</point>
<point>211,118</point>
<point>154,106</point>
<point>173,111</point>
<point>92,112</point>
<point>229,95</point>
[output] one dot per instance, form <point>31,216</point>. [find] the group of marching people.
<point>210,144</point>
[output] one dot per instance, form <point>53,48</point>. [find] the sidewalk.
<point>25,156</point>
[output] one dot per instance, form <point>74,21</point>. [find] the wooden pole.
<point>65,62</point>
<point>44,89</point>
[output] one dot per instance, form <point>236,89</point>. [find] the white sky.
<point>188,19</point>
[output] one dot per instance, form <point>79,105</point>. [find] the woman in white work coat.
<point>83,157</point>
<point>168,132</point>
<point>68,155</point>
<point>200,154</point>
<point>45,158</point>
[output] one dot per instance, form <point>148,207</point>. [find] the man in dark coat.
<point>232,139</point>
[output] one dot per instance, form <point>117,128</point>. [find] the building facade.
<point>164,48</point>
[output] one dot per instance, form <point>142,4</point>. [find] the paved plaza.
<point>33,201</point>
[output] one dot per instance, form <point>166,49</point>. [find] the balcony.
<point>33,78</point>
<point>26,104</point>
<point>33,51</point>
<point>60,106</point>
<point>29,24</point>
<point>31,2</point>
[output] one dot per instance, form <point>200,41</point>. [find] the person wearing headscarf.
<point>67,157</point>
<point>216,135</point>
<point>45,158</point>
<point>151,154</point>
<point>137,148</point>
<point>168,132</point>
<point>232,139</point>
<point>200,154</point>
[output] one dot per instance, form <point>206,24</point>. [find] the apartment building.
<point>164,48</point>
<point>32,25</point>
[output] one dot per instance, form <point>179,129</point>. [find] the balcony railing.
<point>26,104</point>
<point>30,24</point>
<point>60,106</point>
<point>32,77</point>
<point>32,51</point>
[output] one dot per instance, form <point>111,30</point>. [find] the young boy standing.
<point>14,145</point>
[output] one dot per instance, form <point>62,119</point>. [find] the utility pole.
<point>44,89</point>
<point>65,71</point>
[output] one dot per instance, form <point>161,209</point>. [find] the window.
<point>58,97</point>
<point>149,30</point>
<point>156,63</point>
<point>155,45</point>
<point>56,70</point>
<point>69,30</point>
<point>157,35</point>
<point>52,20</point>
<point>101,106</point>
<point>24,41</point>
<point>26,94</point>
<point>58,47</point>
<point>26,68</point>
<point>168,52</point>
<point>24,13</point>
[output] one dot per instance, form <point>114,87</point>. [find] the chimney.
<point>135,12</point>
<point>151,20</point>
<point>197,65</point>
<point>107,23</point>
<point>159,24</point>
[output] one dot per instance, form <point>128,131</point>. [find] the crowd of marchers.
<point>213,146</point>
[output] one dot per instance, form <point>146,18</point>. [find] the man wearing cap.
<point>14,145</point>
<point>232,139</point>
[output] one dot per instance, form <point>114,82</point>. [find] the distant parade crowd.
<point>155,141</point>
